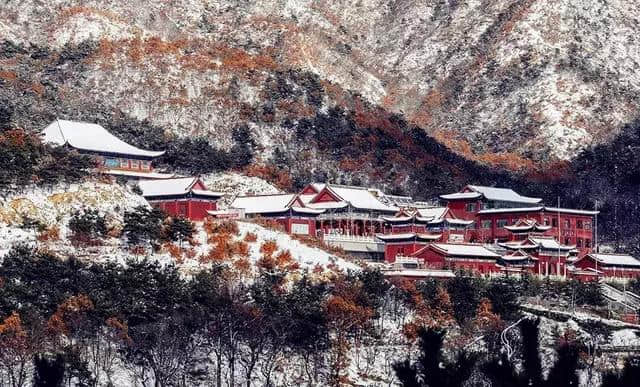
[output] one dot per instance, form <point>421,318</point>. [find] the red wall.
<point>569,236</point>
<point>608,271</point>
<point>391,249</point>
<point>324,197</point>
<point>437,260</point>
<point>192,209</point>
<point>459,208</point>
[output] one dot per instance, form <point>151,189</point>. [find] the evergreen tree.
<point>629,377</point>
<point>465,292</point>
<point>89,224</point>
<point>432,369</point>
<point>180,229</point>
<point>48,372</point>
<point>143,225</point>
<point>243,148</point>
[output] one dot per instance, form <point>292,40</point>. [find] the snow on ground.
<point>237,184</point>
<point>55,205</point>
<point>625,337</point>
<point>306,256</point>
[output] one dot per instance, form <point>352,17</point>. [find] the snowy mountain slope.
<point>52,208</point>
<point>539,78</point>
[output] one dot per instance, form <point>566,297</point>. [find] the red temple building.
<point>186,197</point>
<point>460,256</point>
<point>493,209</point>
<point>114,156</point>
<point>347,210</point>
<point>620,266</point>
<point>285,209</point>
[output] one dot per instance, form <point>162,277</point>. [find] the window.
<point>587,225</point>
<point>546,221</point>
<point>471,207</point>
<point>124,163</point>
<point>486,224</point>
<point>579,224</point>
<point>501,223</point>
<point>587,243</point>
<point>111,163</point>
<point>135,164</point>
<point>145,164</point>
<point>579,243</point>
<point>567,241</point>
<point>567,223</point>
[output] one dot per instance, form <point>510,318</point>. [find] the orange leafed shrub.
<point>250,237</point>
<point>280,178</point>
<point>267,262</point>
<point>284,259</point>
<point>485,318</point>
<point>220,226</point>
<point>120,328</point>
<point>69,313</point>
<point>8,75</point>
<point>268,248</point>
<point>242,265</point>
<point>50,234</point>
<point>175,251</point>
<point>12,326</point>
<point>190,253</point>
<point>37,88</point>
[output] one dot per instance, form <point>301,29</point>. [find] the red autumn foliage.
<point>250,237</point>
<point>50,234</point>
<point>69,315</point>
<point>278,177</point>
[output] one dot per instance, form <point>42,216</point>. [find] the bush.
<point>87,226</point>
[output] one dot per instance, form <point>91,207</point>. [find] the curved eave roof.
<point>92,138</point>
<point>461,196</point>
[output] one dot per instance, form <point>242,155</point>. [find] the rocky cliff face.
<point>539,79</point>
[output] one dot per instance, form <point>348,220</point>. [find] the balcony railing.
<point>350,238</point>
<point>349,215</point>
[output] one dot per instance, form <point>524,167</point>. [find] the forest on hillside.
<point>87,324</point>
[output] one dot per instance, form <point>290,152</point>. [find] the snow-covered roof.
<point>538,208</point>
<point>527,225</point>
<point>145,175</point>
<point>206,192</point>
<point>432,212</point>
<point>418,273</point>
<point>393,237</point>
<point>408,235</point>
<point>263,204</point>
<point>306,198</point>
<point>503,194</point>
<point>328,205</point>
<point>397,219</point>
<point>173,187</point>
<point>550,243</point>
<point>360,198</point>
<point>510,210</point>
<point>615,259</point>
<point>318,186</point>
<point>304,210</point>
<point>461,195</point>
<point>467,250</point>
<point>525,244</point>
<point>91,137</point>
<point>571,211</point>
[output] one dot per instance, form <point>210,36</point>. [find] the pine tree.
<point>629,376</point>
<point>432,369</point>
<point>180,229</point>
